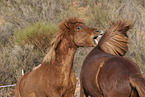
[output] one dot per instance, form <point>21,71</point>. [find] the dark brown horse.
<point>105,73</point>
<point>55,76</point>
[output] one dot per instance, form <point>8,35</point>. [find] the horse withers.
<point>105,73</point>
<point>54,77</point>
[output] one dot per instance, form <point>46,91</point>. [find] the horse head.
<point>76,32</point>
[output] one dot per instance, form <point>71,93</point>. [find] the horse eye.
<point>79,28</point>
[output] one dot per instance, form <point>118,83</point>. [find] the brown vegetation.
<point>105,73</point>
<point>55,76</point>
<point>18,15</point>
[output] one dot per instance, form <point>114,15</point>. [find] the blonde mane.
<point>64,28</point>
<point>115,39</point>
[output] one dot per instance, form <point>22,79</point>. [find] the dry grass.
<point>19,14</point>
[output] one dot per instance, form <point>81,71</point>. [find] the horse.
<point>106,73</point>
<point>55,77</point>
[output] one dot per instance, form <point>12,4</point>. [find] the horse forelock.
<point>64,28</point>
<point>115,39</point>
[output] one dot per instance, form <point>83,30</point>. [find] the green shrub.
<point>38,34</point>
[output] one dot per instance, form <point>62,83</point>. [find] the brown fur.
<point>115,39</point>
<point>55,76</point>
<point>138,82</point>
<point>105,73</point>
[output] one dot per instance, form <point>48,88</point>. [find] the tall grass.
<point>14,58</point>
<point>20,16</point>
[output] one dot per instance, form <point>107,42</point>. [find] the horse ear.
<point>66,26</point>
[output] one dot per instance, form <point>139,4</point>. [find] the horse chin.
<point>97,38</point>
<point>95,42</point>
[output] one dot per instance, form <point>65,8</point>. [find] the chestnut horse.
<point>105,73</point>
<point>55,76</point>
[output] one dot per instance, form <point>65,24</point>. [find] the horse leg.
<point>82,94</point>
<point>82,91</point>
<point>31,95</point>
<point>38,94</point>
<point>51,93</point>
<point>69,93</point>
<point>54,94</point>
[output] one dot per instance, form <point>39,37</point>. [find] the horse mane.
<point>64,29</point>
<point>115,39</point>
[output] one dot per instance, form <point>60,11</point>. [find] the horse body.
<point>55,76</point>
<point>104,74</point>
<point>108,75</point>
<point>50,80</point>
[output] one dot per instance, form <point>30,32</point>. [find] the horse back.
<point>29,83</point>
<point>18,85</point>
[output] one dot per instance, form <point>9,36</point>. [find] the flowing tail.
<point>138,81</point>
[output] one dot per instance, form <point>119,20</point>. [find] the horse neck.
<point>96,51</point>
<point>65,55</point>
